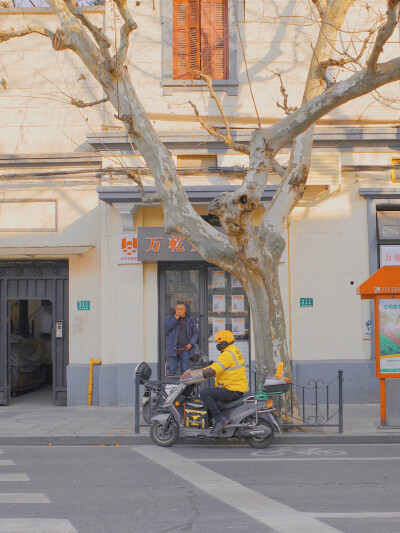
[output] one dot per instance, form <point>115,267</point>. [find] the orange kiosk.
<point>384,288</point>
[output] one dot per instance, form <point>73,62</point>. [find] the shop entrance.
<point>212,296</point>
<point>33,331</point>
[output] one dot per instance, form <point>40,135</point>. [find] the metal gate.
<point>44,280</point>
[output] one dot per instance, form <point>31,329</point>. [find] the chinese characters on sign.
<point>390,255</point>
<point>156,245</point>
<point>127,248</point>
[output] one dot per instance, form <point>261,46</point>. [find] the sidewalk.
<point>40,423</point>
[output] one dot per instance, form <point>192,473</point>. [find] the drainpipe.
<point>90,385</point>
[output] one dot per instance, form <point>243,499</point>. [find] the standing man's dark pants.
<point>211,395</point>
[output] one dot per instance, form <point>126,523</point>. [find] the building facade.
<point>71,285</point>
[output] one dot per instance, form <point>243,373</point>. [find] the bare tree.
<point>252,257</point>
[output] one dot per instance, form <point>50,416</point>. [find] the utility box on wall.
<point>384,288</point>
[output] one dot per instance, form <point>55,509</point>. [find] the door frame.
<point>201,267</point>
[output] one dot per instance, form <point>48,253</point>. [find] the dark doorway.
<point>33,328</point>
<point>30,346</point>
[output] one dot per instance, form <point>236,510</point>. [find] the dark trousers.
<point>211,395</point>
<point>182,358</point>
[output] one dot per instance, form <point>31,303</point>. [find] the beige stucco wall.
<point>329,259</point>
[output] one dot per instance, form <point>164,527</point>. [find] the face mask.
<point>221,346</point>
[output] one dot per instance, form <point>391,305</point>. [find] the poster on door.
<point>218,325</point>
<point>235,283</point>
<point>237,303</point>
<point>238,326</point>
<point>218,279</point>
<point>218,303</point>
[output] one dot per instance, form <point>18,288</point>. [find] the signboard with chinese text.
<point>390,255</point>
<point>156,245</point>
<point>127,249</point>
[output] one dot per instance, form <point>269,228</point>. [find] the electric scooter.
<point>250,417</point>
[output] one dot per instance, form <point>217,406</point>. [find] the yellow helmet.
<point>225,336</point>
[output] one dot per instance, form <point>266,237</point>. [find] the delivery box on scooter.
<point>196,418</point>
<point>274,385</point>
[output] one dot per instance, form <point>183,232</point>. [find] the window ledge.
<point>171,86</point>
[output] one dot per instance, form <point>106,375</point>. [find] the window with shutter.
<point>200,38</point>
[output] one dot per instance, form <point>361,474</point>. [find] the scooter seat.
<point>229,405</point>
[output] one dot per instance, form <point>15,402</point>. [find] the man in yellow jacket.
<point>230,378</point>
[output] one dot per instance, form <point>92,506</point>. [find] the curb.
<point>144,439</point>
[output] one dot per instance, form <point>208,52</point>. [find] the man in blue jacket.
<point>182,335</point>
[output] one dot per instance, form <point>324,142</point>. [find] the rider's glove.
<point>192,376</point>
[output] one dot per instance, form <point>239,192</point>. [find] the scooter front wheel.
<point>164,435</point>
<point>262,442</point>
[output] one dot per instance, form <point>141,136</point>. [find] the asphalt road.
<point>197,489</point>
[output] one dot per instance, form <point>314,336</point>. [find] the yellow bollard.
<point>90,385</point>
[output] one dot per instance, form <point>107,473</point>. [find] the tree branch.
<point>6,35</point>
<point>285,95</point>
<point>81,103</point>
<point>126,29</point>
<point>341,62</point>
<point>98,35</point>
<point>147,198</point>
<point>227,139</point>
<point>384,33</point>
<point>321,5</point>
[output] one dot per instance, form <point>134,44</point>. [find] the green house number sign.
<point>306,302</point>
<point>83,305</point>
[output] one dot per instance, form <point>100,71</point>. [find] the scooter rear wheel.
<point>261,442</point>
<point>164,436</point>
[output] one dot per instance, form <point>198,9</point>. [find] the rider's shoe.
<point>221,423</point>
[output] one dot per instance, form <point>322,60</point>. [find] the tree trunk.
<point>268,321</point>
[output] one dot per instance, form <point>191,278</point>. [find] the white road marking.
<point>277,516</point>
<point>286,459</point>
<point>6,462</point>
<point>14,477</point>
<point>23,497</point>
<point>384,514</point>
<point>35,525</point>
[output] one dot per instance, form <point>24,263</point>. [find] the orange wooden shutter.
<point>221,50</point>
<point>186,50</point>
<point>214,38</point>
